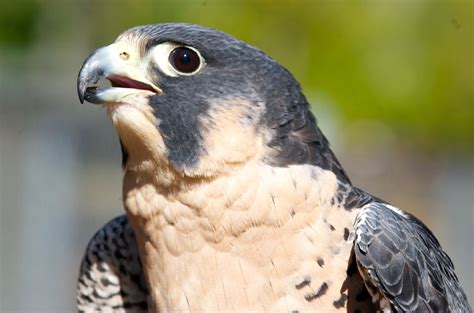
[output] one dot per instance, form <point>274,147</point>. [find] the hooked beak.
<point>120,67</point>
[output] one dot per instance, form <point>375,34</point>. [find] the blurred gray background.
<point>391,83</point>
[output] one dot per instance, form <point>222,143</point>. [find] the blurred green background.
<point>391,83</point>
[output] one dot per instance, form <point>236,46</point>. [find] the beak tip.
<point>80,90</point>
<point>90,73</point>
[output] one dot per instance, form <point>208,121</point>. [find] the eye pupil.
<point>185,60</point>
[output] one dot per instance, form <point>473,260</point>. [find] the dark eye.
<point>185,60</point>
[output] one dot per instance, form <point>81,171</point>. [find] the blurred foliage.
<point>408,64</point>
<point>18,22</point>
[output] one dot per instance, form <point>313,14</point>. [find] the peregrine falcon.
<point>234,200</point>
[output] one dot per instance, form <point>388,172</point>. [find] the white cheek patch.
<point>160,55</point>
<point>135,117</point>
<point>136,126</point>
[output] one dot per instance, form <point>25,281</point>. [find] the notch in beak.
<point>114,63</point>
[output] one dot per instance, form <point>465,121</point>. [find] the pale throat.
<point>218,210</point>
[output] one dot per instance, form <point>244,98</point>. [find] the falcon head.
<point>199,102</point>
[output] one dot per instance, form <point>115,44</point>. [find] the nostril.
<point>124,55</point>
